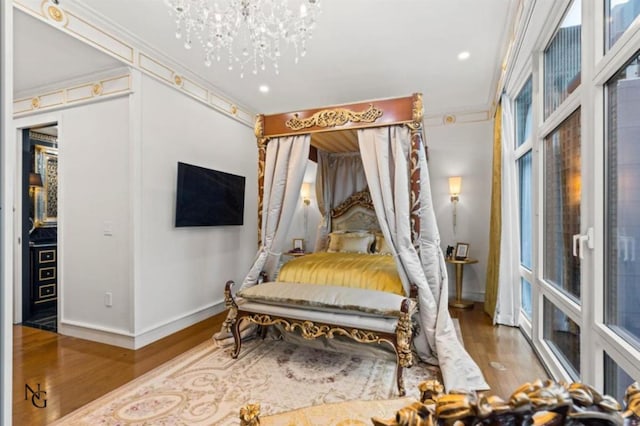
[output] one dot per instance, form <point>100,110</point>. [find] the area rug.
<point>205,386</point>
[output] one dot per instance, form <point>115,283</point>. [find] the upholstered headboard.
<point>355,213</point>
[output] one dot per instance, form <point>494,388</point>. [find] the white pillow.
<point>352,242</point>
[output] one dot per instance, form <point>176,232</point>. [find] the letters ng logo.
<point>38,397</point>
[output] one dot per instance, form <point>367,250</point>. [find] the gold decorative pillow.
<point>381,245</point>
<point>352,242</point>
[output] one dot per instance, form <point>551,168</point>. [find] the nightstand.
<point>459,264</point>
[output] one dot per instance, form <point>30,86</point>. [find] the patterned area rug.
<point>205,386</point>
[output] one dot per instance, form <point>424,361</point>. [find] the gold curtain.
<point>495,226</point>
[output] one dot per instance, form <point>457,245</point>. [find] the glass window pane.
<point>563,337</point>
<point>526,305</point>
<point>562,60</point>
<point>526,210</point>
<point>616,380</point>
<point>619,16</point>
<point>622,292</point>
<point>523,114</point>
<point>562,193</point>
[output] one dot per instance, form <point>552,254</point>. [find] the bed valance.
<point>321,123</point>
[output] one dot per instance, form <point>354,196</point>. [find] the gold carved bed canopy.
<point>334,129</point>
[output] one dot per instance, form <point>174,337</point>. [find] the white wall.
<point>182,271</point>
<point>7,156</point>
<point>463,150</point>
<point>94,189</point>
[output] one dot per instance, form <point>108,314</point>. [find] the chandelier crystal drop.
<point>247,34</point>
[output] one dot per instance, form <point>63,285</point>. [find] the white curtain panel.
<point>508,302</point>
<point>285,164</point>
<point>385,155</point>
<point>338,176</point>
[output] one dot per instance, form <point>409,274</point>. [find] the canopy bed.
<point>374,195</point>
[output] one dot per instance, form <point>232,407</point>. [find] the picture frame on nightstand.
<point>462,251</point>
<point>298,245</point>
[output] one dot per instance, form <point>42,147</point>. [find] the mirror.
<point>46,198</point>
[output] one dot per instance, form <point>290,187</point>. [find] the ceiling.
<point>361,49</point>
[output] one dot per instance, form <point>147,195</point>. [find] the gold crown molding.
<point>96,89</point>
<point>42,137</point>
<point>457,117</point>
<point>334,117</point>
<point>129,53</point>
<point>77,94</point>
<point>55,13</point>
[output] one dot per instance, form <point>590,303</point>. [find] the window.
<point>526,210</point>
<point>619,16</point>
<point>563,336</point>
<point>523,114</point>
<point>616,380</point>
<point>622,266</point>
<point>525,288</point>
<point>562,60</point>
<point>562,194</point>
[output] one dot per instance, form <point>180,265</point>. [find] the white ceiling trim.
<point>82,30</point>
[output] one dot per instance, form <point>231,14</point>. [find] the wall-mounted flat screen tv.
<point>206,197</point>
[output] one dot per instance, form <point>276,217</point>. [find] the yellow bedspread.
<point>369,271</point>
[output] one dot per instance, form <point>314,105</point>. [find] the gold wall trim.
<point>72,95</point>
<point>43,138</point>
<point>129,53</point>
<point>335,117</point>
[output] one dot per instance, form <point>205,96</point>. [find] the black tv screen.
<point>206,197</point>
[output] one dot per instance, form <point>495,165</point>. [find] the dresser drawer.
<point>47,291</point>
<point>47,256</point>
<point>47,273</point>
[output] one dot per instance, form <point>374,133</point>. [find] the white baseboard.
<point>125,339</point>
<point>156,332</point>
<point>95,333</point>
<point>476,296</point>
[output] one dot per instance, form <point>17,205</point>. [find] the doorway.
<point>39,227</point>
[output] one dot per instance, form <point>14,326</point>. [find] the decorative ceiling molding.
<point>81,93</point>
<point>460,117</point>
<point>56,16</point>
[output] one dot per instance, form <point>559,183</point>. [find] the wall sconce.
<point>305,192</point>
<point>35,181</point>
<point>455,184</point>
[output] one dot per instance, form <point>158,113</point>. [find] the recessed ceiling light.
<point>463,55</point>
<point>264,88</point>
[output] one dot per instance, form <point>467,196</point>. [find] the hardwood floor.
<point>74,372</point>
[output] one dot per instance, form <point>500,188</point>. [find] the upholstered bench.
<point>366,316</point>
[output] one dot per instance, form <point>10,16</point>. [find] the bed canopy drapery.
<point>388,135</point>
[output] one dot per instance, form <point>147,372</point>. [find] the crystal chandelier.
<point>245,33</point>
